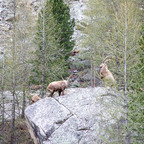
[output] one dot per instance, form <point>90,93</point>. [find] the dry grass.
<point>22,135</point>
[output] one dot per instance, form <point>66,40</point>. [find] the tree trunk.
<point>12,129</point>
<point>12,120</point>
<point>2,105</point>
<point>2,100</point>
<point>23,104</point>
<point>94,81</point>
<point>25,72</point>
<point>125,74</point>
<point>2,91</point>
<point>125,52</point>
<point>43,54</point>
<point>91,74</point>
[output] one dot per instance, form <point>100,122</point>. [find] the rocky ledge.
<point>79,117</point>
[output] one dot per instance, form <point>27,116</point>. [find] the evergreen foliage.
<point>55,64</point>
<point>61,14</point>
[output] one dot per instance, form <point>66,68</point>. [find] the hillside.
<point>92,51</point>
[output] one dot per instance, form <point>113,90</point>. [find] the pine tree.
<point>47,35</point>
<point>61,14</point>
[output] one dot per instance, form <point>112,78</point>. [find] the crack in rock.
<point>83,129</point>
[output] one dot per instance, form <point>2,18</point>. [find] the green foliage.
<point>138,77</point>
<point>136,104</point>
<point>21,45</point>
<point>55,64</point>
<point>104,35</point>
<point>61,14</point>
<point>113,28</point>
<point>96,24</point>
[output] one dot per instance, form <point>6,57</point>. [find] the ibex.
<point>59,86</point>
<point>74,52</point>
<point>142,89</point>
<point>35,98</point>
<point>105,74</point>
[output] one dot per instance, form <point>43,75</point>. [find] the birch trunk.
<point>2,104</point>
<point>43,54</point>
<point>125,52</point>
<point>125,74</point>
<point>23,103</point>
<point>2,95</point>
<point>91,74</point>
<point>24,47</point>
<point>13,81</point>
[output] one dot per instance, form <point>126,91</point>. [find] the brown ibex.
<point>105,74</point>
<point>35,98</point>
<point>59,86</point>
<point>74,52</point>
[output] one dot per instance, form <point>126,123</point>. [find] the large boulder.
<point>79,117</point>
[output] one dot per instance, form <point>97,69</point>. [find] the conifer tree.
<point>54,64</point>
<point>61,14</point>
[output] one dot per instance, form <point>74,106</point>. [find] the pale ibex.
<point>59,86</point>
<point>35,98</point>
<point>105,74</point>
<point>142,89</point>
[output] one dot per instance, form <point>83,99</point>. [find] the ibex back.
<point>59,86</point>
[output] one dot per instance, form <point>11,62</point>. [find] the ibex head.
<point>67,79</point>
<point>59,86</point>
<point>105,74</point>
<point>103,64</point>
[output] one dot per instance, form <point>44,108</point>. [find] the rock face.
<point>79,117</point>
